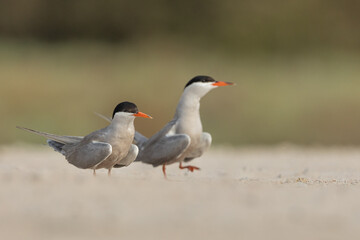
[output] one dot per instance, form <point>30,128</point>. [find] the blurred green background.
<point>296,65</point>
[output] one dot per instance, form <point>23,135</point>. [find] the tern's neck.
<point>122,123</point>
<point>188,106</point>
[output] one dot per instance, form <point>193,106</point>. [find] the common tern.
<point>182,139</point>
<point>103,148</point>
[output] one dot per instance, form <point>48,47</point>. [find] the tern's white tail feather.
<point>56,138</point>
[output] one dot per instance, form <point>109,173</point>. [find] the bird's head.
<point>201,85</point>
<point>128,109</point>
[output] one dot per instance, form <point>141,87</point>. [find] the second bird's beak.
<point>220,84</point>
<point>140,114</point>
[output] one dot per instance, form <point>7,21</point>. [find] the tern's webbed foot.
<point>189,167</point>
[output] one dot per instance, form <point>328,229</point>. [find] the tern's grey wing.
<point>166,150</point>
<point>130,157</point>
<point>87,155</point>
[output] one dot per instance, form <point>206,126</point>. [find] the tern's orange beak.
<point>220,84</point>
<point>140,114</point>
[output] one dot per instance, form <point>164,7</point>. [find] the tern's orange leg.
<point>164,171</point>
<point>191,168</point>
<point>94,173</point>
<point>109,172</point>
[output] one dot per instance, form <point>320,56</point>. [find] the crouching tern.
<point>182,139</point>
<point>105,148</point>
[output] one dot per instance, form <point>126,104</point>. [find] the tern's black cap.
<point>126,107</point>
<point>200,78</point>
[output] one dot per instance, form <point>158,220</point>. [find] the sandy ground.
<point>283,192</point>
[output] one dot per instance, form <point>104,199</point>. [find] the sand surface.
<point>283,192</point>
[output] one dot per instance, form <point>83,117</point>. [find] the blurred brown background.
<point>296,65</point>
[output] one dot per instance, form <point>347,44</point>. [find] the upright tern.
<point>103,148</point>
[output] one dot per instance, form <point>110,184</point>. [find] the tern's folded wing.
<point>166,150</point>
<point>87,155</point>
